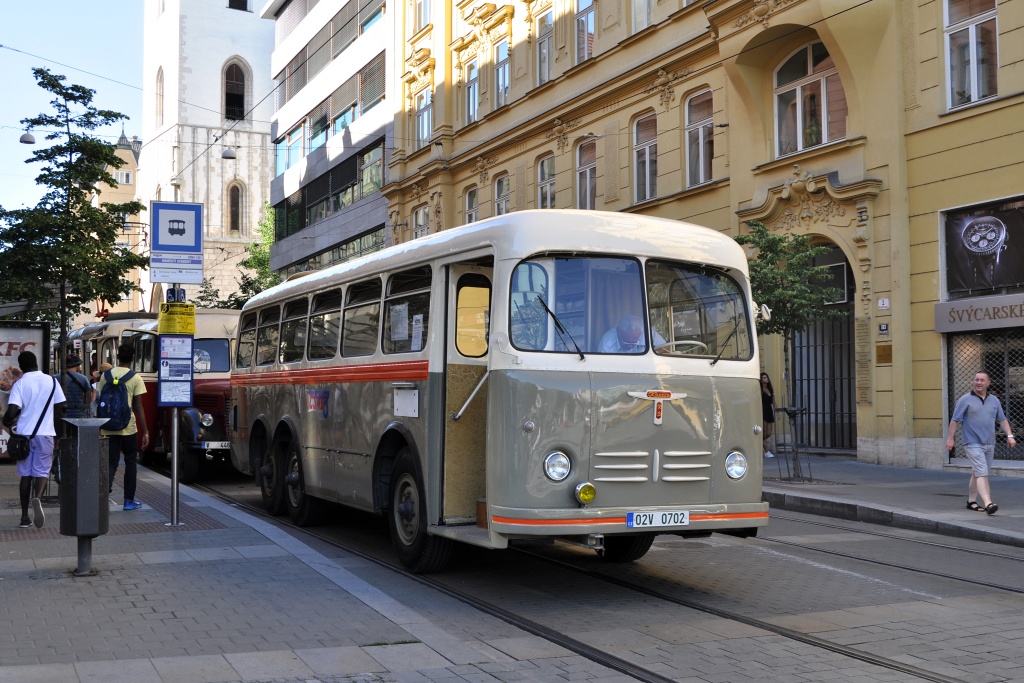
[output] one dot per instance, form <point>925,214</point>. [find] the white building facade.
<point>331,129</point>
<point>206,91</point>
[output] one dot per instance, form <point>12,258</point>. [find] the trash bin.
<point>84,485</point>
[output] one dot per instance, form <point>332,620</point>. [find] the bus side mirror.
<point>763,312</point>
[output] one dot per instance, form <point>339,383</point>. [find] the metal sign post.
<point>176,326</point>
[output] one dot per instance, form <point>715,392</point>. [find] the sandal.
<point>973,505</point>
<point>991,508</point>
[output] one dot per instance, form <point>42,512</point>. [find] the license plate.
<point>651,519</point>
<point>216,445</point>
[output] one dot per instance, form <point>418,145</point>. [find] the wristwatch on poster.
<point>984,238</point>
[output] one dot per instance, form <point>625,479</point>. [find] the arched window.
<point>502,192</point>
<point>586,175</point>
<point>472,205</point>
<point>235,208</point>
<point>700,138</point>
<point>234,93</point>
<point>546,182</point>
<point>810,105</point>
<point>159,97</point>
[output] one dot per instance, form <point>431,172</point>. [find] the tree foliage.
<point>783,276</point>
<point>66,247</point>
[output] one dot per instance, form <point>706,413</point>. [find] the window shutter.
<point>700,107</point>
<point>344,97</point>
<point>344,174</point>
<point>368,7</point>
<point>588,153</point>
<point>646,129</point>
<point>345,27</point>
<point>371,83</point>
<point>319,51</point>
<point>319,118</point>
<point>296,74</point>
<point>317,190</point>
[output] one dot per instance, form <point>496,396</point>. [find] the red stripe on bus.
<point>622,520</point>
<point>376,372</point>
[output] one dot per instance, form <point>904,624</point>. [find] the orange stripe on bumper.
<point>729,515</point>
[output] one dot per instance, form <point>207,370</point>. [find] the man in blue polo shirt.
<point>978,412</point>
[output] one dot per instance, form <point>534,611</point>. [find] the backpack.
<point>114,403</point>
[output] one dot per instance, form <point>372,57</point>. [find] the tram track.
<point>583,649</point>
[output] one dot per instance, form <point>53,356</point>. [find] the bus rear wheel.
<point>271,476</point>
<point>302,508</point>
<point>626,548</point>
<point>407,517</point>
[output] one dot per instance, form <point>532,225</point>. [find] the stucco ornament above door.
<point>819,203</point>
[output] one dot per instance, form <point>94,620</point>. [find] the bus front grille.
<point>644,466</point>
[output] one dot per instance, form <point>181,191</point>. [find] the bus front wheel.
<point>302,508</point>
<point>272,480</point>
<point>626,548</point>
<point>417,550</point>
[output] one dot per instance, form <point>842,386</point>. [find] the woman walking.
<point>767,411</point>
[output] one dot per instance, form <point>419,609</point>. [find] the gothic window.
<point>234,93</point>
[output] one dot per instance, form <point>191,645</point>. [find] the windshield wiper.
<point>725,344</point>
<point>558,325</point>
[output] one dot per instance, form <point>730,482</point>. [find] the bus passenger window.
<point>473,315</point>
<point>293,331</point>
<point>529,320</point>
<point>246,341</point>
<point>267,335</point>
<point>362,319</point>
<point>324,324</point>
<point>407,311</point>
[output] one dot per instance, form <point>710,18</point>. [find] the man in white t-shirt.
<point>31,404</point>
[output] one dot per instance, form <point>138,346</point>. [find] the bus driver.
<point>628,337</point>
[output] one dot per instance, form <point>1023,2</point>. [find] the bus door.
<point>466,352</point>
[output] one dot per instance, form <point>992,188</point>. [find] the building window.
<point>472,205</point>
<point>972,50</point>
<point>584,30</point>
<point>319,122</point>
<point>810,105</point>
<point>159,97</point>
<point>700,138</point>
<point>643,14</point>
<point>371,84</point>
<point>289,150</point>
<point>586,175</point>
<point>546,183</point>
<point>645,157</point>
<point>545,48</point>
<point>343,119</point>
<point>421,221</point>
<point>472,91</point>
<point>502,192</point>
<point>239,4</point>
<point>235,208</point>
<point>234,93</point>
<point>371,171</point>
<point>422,15</point>
<point>501,71</point>
<point>123,177</point>
<point>423,122</point>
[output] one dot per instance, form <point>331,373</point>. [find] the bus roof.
<point>521,234</point>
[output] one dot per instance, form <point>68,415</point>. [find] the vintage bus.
<point>584,375</point>
<point>202,429</point>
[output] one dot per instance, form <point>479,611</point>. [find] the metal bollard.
<point>84,488</point>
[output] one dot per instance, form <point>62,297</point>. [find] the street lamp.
<point>27,138</point>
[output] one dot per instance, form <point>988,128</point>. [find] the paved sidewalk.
<point>925,500</point>
<point>231,597</point>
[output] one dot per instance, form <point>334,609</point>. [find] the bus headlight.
<point>586,493</point>
<point>557,466</point>
<point>206,420</point>
<point>736,465</point>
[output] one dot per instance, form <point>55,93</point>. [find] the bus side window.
<point>529,320</point>
<point>293,330</point>
<point>267,335</point>
<point>473,315</point>
<point>146,352</point>
<point>324,324</point>
<point>361,319</point>
<point>246,341</point>
<point>407,311</point>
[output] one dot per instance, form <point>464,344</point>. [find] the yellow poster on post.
<point>177,318</point>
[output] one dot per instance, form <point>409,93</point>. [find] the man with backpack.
<point>120,391</point>
<point>77,389</point>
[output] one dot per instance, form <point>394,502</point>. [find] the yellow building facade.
<point>872,126</point>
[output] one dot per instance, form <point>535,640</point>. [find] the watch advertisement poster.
<point>985,247</point>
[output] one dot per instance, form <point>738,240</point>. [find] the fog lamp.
<point>586,493</point>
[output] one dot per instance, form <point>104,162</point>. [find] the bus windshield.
<point>211,355</point>
<point>597,304</point>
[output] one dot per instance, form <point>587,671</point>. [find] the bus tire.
<point>188,464</point>
<point>303,509</point>
<point>626,548</point>
<point>420,552</point>
<point>271,476</point>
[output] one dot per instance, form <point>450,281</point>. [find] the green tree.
<point>784,278</point>
<point>208,296</point>
<point>258,261</point>
<point>66,247</point>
